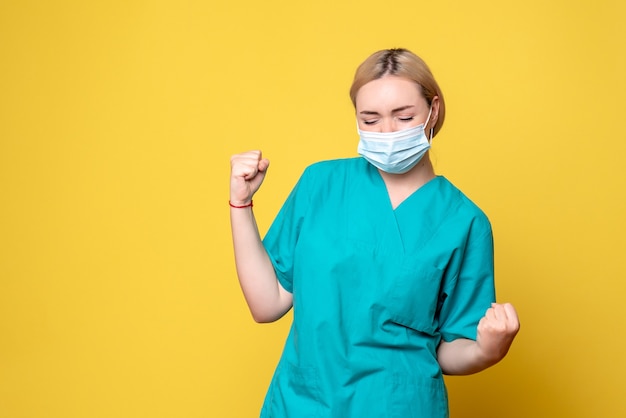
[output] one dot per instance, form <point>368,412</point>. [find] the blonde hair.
<point>401,63</point>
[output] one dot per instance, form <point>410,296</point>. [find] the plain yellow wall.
<point>118,296</point>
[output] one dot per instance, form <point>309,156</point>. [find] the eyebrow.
<point>399,109</point>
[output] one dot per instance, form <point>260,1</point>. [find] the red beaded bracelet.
<point>249,205</point>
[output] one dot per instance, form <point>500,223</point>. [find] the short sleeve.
<point>282,237</point>
<point>468,295</point>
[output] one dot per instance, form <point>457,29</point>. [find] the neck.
<point>401,186</point>
<point>419,175</point>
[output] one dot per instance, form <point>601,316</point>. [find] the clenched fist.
<point>247,171</point>
<point>496,330</point>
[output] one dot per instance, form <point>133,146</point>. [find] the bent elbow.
<point>261,318</point>
<point>265,316</point>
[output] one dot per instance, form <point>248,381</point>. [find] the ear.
<point>434,116</point>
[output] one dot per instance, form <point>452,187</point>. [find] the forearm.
<point>266,298</point>
<point>462,357</point>
<point>495,334</point>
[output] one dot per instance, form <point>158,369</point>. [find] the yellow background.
<point>118,296</point>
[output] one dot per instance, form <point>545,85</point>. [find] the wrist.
<point>240,205</point>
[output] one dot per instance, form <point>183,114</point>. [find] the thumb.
<point>264,164</point>
<point>257,180</point>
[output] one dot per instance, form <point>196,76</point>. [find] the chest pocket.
<point>415,297</point>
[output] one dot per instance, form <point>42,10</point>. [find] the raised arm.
<point>496,331</point>
<point>266,298</point>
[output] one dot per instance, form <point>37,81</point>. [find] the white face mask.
<point>395,152</point>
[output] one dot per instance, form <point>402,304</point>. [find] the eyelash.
<point>405,119</point>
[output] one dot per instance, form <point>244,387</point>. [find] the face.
<point>391,103</point>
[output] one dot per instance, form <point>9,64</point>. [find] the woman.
<point>388,267</point>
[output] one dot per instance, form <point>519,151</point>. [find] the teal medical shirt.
<point>374,292</point>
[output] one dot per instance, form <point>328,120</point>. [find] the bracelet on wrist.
<point>249,205</point>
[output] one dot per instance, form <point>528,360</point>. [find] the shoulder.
<point>462,207</point>
<point>329,175</point>
<point>342,165</point>
<point>326,171</point>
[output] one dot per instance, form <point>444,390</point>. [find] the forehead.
<point>389,91</point>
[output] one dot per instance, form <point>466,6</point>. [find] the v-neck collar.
<point>378,179</point>
<point>399,222</point>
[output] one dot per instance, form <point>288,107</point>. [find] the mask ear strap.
<point>430,111</point>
